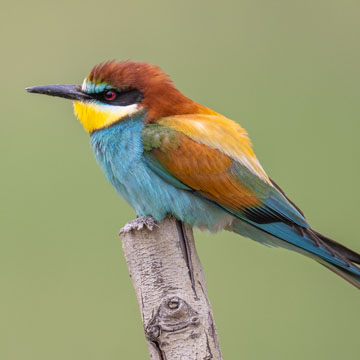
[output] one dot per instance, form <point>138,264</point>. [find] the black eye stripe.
<point>122,98</point>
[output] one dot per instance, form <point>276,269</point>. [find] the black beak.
<point>72,92</point>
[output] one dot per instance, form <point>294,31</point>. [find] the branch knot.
<point>173,315</point>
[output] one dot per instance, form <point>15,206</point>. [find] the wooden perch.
<point>170,287</point>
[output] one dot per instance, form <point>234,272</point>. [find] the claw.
<point>139,223</point>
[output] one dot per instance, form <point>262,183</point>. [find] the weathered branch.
<point>170,287</point>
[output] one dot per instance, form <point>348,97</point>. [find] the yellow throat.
<point>94,116</point>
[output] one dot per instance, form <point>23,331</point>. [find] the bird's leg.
<point>139,223</point>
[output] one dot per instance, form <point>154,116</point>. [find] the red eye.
<point>110,95</point>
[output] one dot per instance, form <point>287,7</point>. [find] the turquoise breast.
<point>119,152</point>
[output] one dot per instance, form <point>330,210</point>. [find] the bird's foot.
<point>138,224</point>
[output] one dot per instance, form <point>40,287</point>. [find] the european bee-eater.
<point>166,154</point>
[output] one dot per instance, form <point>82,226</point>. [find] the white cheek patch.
<point>116,110</point>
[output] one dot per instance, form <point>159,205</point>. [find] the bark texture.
<point>170,287</point>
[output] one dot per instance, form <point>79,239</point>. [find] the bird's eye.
<point>110,95</point>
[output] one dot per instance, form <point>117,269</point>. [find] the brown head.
<point>115,91</point>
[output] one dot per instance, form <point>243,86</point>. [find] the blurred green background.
<point>288,71</point>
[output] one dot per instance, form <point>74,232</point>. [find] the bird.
<point>166,154</point>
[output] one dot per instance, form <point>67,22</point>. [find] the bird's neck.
<point>118,146</point>
<point>166,100</point>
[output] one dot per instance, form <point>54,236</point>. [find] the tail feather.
<point>348,253</point>
<point>351,278</point>
<point>306,241</point>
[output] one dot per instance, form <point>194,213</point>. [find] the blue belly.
<point>119,152</point>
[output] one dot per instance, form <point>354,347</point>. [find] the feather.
<point>197,162</point>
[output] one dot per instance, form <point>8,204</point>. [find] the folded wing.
<point>212,157</point>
